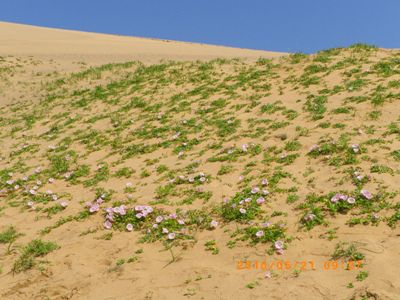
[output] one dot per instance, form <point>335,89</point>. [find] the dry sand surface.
<point>270,174</point>
<point>95,48</point>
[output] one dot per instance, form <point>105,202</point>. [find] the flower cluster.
<point>244,205</point>
<point>123,217</point>
<point>193,179</point>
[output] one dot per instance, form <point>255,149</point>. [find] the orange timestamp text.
<point>298,265</point>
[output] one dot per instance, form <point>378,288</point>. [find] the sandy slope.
<point>97,48</point>
<point>49,100</point>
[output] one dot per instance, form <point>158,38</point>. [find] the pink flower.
<point>255,190</point>
<point>172,216</point>
<point>309,217</point>
<point>242,210</point>
<point>171,236</point>
<point>245,147</point>
<point>267,275</point>
<point>265,224</point>
<point>159,219</point>
<point>203,179</point>
<point>367,195</point>
<point>139,215</point>
<point>355,148</point>
<point>351,200</point>
<point>241,177</point>
<point>64,204</point>
<point>181,222</point>
<point>30,204</point>
<point>264,182</point>
<point>93,208</point>
<point>259,233</point>
<point>214,224</point>
<point>129,227</point>
<point>165,230</point>
<point>107,224</point>
<point>260,200</point>
<point>335,198</point>
<point>278,245</point>
<point>155,226</point>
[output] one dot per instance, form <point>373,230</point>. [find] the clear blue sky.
<point>278,25</point>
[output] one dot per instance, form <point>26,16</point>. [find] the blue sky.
<point>277,25</point>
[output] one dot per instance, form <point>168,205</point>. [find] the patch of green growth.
<point>36,248</point>
<point>212,246</point>
<point>9,236</point>
<point>347,252</point>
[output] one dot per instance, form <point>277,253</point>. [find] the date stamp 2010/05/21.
<point>283,265</point>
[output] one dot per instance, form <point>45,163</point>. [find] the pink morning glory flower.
<point>259,233</point>
<point>264,182</point>
<point>265,224</point>
<point>129,227</point>
<point>242,210</point>
<point>309,217</point>
<point>165,230</point>
<point>159,219</point>
<point>260,200</point>
<point>181,222</point>
<point>278,245</point>
<point>367,195</point>
<point>64,204</point>
<point>351,200</point>
<point>255,190</point>
<point>30,204</point>
<point>171,236</point>
<point>335,198</point>
<point>107,224</point>
<point>139,215</point>
<point>214,224</point>
<point>93,208</point>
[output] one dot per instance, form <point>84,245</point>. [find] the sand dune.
<point>273,177</point>
<point>22,40</point>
